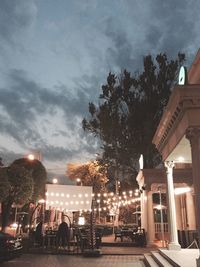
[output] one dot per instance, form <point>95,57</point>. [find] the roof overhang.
<point>152,179</point>
<point>181,113</point>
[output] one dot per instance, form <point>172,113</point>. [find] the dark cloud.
<point>23,101</point>
<point>8,156</point>
<point>157,26</point>
<point>15,16</point>
<point>173,25</point>
<point>109,36</point>
<point>120,53</point>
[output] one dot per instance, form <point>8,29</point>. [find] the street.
<point>38,260</point>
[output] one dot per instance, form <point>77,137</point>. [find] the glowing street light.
<point>31,157</point>
<point>55,180</point>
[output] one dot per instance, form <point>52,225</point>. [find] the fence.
<point>158,228</point>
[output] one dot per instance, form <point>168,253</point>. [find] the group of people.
<point>62,235</point>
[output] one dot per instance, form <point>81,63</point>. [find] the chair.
<point>118,234</point>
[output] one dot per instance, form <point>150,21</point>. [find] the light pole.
<point>78,181</point>
<point>34,216</point>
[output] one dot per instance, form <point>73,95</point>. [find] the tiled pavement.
<point>109,250</point>
<point>113,255</point>
<point>41,260</point>
<point>109,247</point>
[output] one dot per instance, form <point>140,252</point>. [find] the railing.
<point>158,228</point>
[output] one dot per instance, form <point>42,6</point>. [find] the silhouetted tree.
<point>38,173</point>
<point>21,183</point>
<point>129,110</point>
<point>16,187</point>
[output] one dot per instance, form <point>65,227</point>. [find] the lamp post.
<point>78,181</point>
<point>34,215</point>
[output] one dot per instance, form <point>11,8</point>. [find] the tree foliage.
<point>90,174</point>
<point>20,183</point>
<point>38,173</point>
<point>129,110</point>
<point>4,183</point>
<point>16,187</point>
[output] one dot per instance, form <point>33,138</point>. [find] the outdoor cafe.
<point>72,206</point>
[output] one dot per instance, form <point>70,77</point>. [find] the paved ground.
<point>125,250</point>
<point>30,260</point>
<point>109,247</point>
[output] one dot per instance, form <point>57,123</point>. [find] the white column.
<point>193,135</point>
<point>144,210</point>
<point>173,244</point>
<point>183,212</point>
<point>178,213</point>
<point>190,211</point>
<point>150,217</point>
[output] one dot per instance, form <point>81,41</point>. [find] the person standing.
<point>63,234</point>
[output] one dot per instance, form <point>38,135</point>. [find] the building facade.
<point>178,140</point>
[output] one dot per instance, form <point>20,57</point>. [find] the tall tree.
<point>21,183</point>
<point>129,110</point>
<point>38,173</point>
<point>16,187</point>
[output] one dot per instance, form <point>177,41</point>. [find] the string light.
<point>108,199</point>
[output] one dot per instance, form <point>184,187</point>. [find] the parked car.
<point>10,246</point>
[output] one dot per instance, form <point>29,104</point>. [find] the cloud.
<point>120,53</point>
<point>15,17</point>
<point>152,27</point>
<point>45,119</point>
<point>67,51</point>
<point>173,25</point>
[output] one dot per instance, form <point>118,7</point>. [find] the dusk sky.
<point>56,54</point>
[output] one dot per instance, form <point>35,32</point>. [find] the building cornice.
<point>148,177</point>
<point>183,98</point>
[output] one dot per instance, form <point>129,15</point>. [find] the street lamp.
<point>31,157</point>
<point>35,155</point>
<point>55,181</point>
